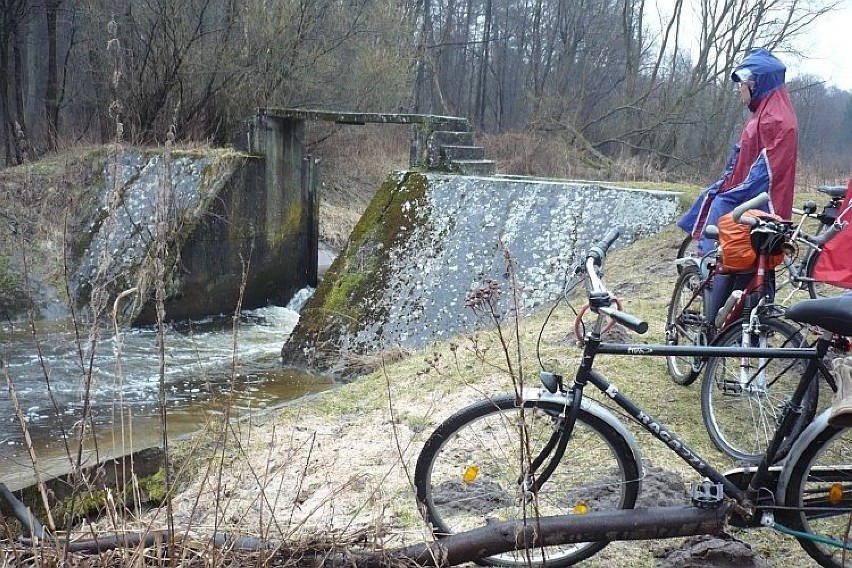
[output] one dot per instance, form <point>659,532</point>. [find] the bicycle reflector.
<point>470,474</point>
<point>835,493</point>
<point>580,508</point>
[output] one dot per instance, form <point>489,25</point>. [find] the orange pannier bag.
<point>738,254</point>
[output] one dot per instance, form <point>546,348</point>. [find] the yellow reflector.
<point>471,472</point>
<point>581,508</point>
<point>835,494</point>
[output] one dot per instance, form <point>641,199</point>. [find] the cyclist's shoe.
<point>841,403</point>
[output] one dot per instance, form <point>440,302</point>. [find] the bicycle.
<point>750,315</point>
<point>555,451</point>
<point>798,271</point>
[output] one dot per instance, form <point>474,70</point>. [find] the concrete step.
<point>475,167</point>
<point>453,153</point>
<point>451,138</point>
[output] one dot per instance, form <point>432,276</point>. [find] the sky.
<point>829,48</point>
<point>826,47</point>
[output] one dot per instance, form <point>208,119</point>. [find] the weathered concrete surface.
<point>226,226</point>
<point>427,240</point>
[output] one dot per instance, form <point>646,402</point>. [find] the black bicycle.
<point>554,451</point>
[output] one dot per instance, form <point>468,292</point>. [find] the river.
<point>125,386</point>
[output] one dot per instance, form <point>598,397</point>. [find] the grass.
<point>341,462</point>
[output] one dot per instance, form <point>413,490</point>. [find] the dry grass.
<point>340,463</point>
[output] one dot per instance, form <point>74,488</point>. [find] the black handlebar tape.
<point>753,203</point>
<point>598,251</point>
<point>625,319</point>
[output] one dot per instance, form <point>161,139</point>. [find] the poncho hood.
<point>766,70</point>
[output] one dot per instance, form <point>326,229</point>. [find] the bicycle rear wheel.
<point>685,326</point>
<point>821,488</point>
<point>468,474</point>
<point>743,398</point>
<point>820,289</point>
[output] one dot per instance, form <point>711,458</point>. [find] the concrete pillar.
<point>310,197</point>
<point>284,140</point>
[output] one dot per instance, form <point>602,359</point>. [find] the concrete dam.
<point>429,239</point>
<point>244,226</point>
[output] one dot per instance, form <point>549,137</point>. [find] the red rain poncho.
<point>764,159</point>
<point>834,265</point>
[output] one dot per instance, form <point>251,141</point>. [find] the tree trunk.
<point>20,110</point>
<point>51,97</point>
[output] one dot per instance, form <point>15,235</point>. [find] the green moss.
<point>155,486</point>
<point>83,505</point>
<point>339,300</point>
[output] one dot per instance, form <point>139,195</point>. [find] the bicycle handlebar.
<point>822,238</point>
<point>625,319</point>
<point>753,203</point>
<point>599,296</point>
<point>598,251</point>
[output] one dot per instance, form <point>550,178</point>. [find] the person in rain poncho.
<point>763,159</point>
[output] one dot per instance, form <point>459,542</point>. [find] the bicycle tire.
<point>741,419</point>
<point>826,463</point>
<point>819,289</point>
<point>688,247</point>
<point>467,474</point>
<point>685,327</point>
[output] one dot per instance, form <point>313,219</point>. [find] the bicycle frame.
<point>743,496</point>
<point>756,284</point>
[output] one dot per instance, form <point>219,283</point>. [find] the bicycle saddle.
<point>834,191</point>
<point>832,314</point>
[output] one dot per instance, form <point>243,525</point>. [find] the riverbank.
<point>339,464</point>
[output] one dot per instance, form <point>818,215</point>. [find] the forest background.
<point>552,87</point>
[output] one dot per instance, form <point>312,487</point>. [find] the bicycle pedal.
<point>706,495</point>
<point>731,387</point>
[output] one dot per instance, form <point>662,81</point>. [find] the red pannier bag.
<point>738,253</point>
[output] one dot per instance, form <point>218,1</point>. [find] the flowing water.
<point>207,365</point>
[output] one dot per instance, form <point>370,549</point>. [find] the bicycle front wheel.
<point>685,326</point>
<point>470,470</point>
<point>819,289</point>
<point>821,490</point>
<point>688,247</point>
<point>743,399</point>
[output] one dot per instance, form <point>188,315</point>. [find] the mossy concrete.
<point>237,227</point>
<point>428,240</point>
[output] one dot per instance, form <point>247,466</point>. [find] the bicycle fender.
<point>686,261</point>
<point>598,411</point>
<point>810,433</point>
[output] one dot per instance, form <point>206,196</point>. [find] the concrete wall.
<point>427,240</point>
<point>233,218</point>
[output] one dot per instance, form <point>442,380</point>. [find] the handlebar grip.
<point>828,234</point>
<point>625,319</point>
<point>598,251</point>
<point>759,201</point>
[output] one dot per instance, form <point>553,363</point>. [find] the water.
<point>125,385</point>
